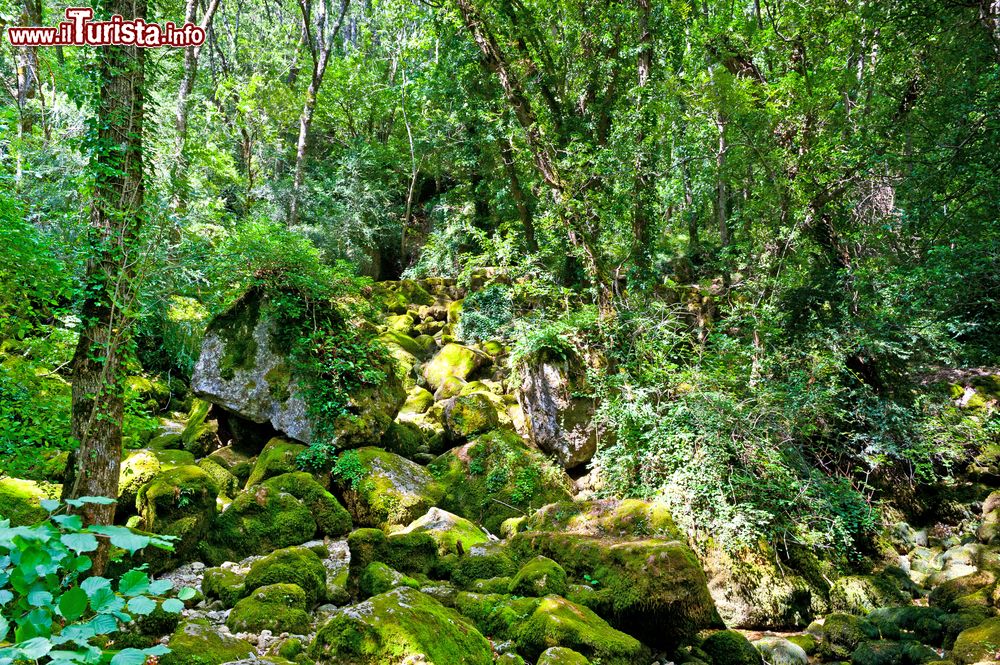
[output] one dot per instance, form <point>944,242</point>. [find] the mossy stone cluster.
<point>728,647</point>
<point>197,642</point>
<point>292,565</point>
<point>378,578</point>
<point>394,491</point>
<point>277,458</point>
<point>224,585</point>
<point>280,608</point>
<point>860,594</point>
<point>539,577</point>
<point>453,534</point>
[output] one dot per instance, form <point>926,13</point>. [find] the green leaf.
<point>172,606</point>
<point>105,600</point>
<point>39,598</point>
<point>70,522</point>
<point>129,657</point>
<point>122,537</point>
<point>91,585</point>
<point>35,648</point>
<point>187,593</point>
<point>133,583</point>
<point>49,505</point>
<point>79,542</point>
<point>141,605</point>
<point>73,604</point>
<point>4,628</point>
<point>160,587</point>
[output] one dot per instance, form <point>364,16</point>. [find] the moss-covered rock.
<point>453,534</point>
<point>378,578</point>
<point>401,323</point>
<point>497,477</point>
<point>137,468</point>
<point>488,562</point>
<point>655,589</point>
<point>843,633</point>
<point>414,553</point>
<point>331,518</point>
<point>292,565</point>
<point>397,296</point>
<point>466,416</point>
<point>260,519</point>
<point>224,585</point>
<point>628,518</point>
<point>728,647</point>
<point>924,624</point>
<point>393,490</point>
<point>279,608</point>
<point>277,458</point>
<point>978,644</point>
<point>778,651</point>
<point>949,595</point>
<point>537,624</point>
<point>200,435</point>
<point>454,360</point>
<point>806,642</point>
<point>561,656</point>
<point>399,626</point>
<point>227,483</point>
<point>197,642</point>
<point>20,500</point>
<point>186,491</point>
<point>418,400</point>
<point>887,652</point>
<point>541,576</point>
<point>860,594</point>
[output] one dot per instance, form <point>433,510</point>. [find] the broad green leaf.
<point>133,583</point>
<point>187,593</point>
<point>70,522</point>
<point>49,505</point>
<point>4,628</point>
<point>73,604</point>
<point>91,585</point>
<point>141,605</point>
<point>35,648</point>
<point>79,542</point>
<point>160,587</point>
<point>39,598</point>
<point>122,537</point>
<point>105,600</point>
<point>129,657</point>
<point>172,606</point>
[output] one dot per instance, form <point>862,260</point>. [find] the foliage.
<point>487,314</point>
<point>53,610</point>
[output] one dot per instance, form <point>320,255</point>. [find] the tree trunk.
<point>116,217</point>
<point>643,182</point>
<point>27,81</point>
<point>320,45</point>
<point>178,168</point>
<point>517,193</point>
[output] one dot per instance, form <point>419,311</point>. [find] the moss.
<point>279,608</point>
<point>394,490</point>
<point>378,578</point>
<point>137,469</point>
<point>468,415</point>
<point>860,594</point>
<point>366,546</point>
<point>171,459</point>
<point>842,633</point>
<point>806,642</point>
<point>402,340</point>
<point>157,623</point>
<point>405,439</point>
<point>171,495</point>
<point>20,500</point>
<point>196,642</point>
<point>654,589</point>
<point>494,563</point>
<point>454,313</point>
<point>332,519</point>
<point>260,519</point>
<point>925,624</point>
<point>604,517</point>
<point>778,651</point>
<point>397,626</point>
<point>886,652</point>
<point>451,533</point>
<point>561,656</point>
<point>539,577</point>
<point>291,565</point>
<point>728,647</point>
<point>491,585</point>
<point>397,296</point>
<point>199,435</point>
<point>948,595</point>
<point>227,482</point>
<point>236,327</point>
<point>412,552</point>
<point>497,477</point>
<point>454,360</point>
<point>277,458</point>
<point>418,400</point>
<point>978,644</point>
<point>224,585</point>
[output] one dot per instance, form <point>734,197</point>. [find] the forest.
<point>514,332</point>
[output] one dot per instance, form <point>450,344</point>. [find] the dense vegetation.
<point>764,229</point>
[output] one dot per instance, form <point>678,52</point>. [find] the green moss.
<point>332,519</point>
<point>454,314</point>
<point>290,648</point>
<point>949,595</point>
<point>279,608</point>
<point>197,642</point>
<point>396,626</point>
<point>806,642</point>
<point>171,495</point>
<point>539,577</point>
<point>843,633</point>
<point>412,552</point>
<point>378,578</point>
<point>157,623</point>
<point>402,340</point>
<point>561,656</point>
<point>778,651</point>
<point>405,439</point>
<point>277,458</point>
<point>236,327</point>
<point>454,360</point>
<point>494,563</point>
<point>468,415</point>
<point>860,594</point>
<point>291,565</point>
<point>886,652</point>
<point>979,644</point>
<point>451,533</point>
<point>227,482</point>
<point>418,400</point>
<point>728,647</point>
<point>224,585</point>
<point>497,477</point>
<point>925,624</point>
<point>654,589</point>
<point>259,520</point>
<point>20,500</point>
<point>605,517</point>
<point>199,435</point>
<point>395,491</point>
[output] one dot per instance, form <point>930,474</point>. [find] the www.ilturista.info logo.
<point>79,30</point>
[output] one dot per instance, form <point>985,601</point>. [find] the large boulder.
<point>401,625</point>
<point>453,534</point>
<point>180,502</point>
<point>452,361</point>
<point>557,421</point>
<point>20,500</point>
<point>391,489</point>
<point>299,566</point>
<point>242,369</point>
<point>280,608</point>
<point>497,477</point>
<point>979,644</point>
<point>197,642</point>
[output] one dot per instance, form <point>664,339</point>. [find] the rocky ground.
<point>453,533</point>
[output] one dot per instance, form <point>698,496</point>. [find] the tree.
<point>320,38</point>
<point>116,216</point>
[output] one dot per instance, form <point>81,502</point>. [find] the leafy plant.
<point>53,611</point>
<point>350,468</point>
<point>487,314</point>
